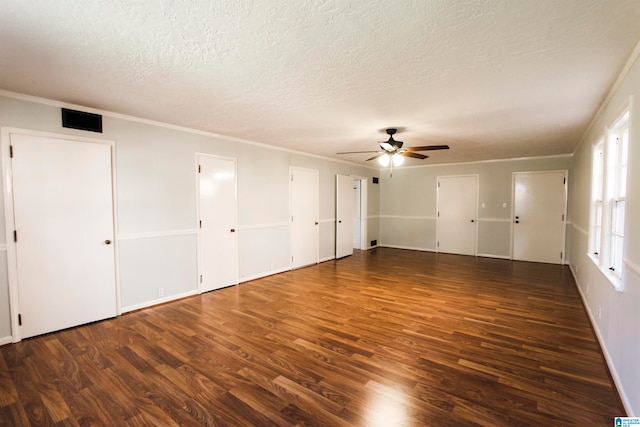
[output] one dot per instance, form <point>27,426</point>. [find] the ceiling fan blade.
<point>376,156</point>
<point>357,152</point>
<point>414,155</point>
<point>387,147</point>
<point>428,148</point>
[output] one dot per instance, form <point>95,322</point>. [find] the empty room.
<point>320,213</point>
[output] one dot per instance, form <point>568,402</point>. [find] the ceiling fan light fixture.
<point>392,152</point>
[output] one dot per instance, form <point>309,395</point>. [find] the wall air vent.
<point>80,120</point>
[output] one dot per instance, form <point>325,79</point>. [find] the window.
<point>597,181</point>
<point>620,144</point>
<point>609,198</point>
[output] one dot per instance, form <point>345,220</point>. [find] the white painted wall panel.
<point>626,345</point>
<point>410,192</point>
<point>263,186</point>
<point>327,242</point>
<point>155,178</point>
<point>373,230</point>
<point>493,238</point>
<point>409,233</point>
<point>263,250</point>
<point>149,264</point>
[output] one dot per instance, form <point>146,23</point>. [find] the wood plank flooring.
<point>385,337</point>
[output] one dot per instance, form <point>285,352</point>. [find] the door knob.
<point>233,230</point>
<point>107,242</point>
<point>473,220</point>
<point>339,222</point>
<point>316,222</point>
<point>517,222</point>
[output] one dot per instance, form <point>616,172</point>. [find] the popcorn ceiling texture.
<point>493,79</point>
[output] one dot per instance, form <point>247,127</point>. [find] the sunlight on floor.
<point>386,406</point>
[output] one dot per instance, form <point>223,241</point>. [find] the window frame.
<point>597,189</point>
<point>620,149</point>
<point>609,180</point>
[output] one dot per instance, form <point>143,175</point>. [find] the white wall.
<point>408,202</point>
<point>156,202</point>
<point>618,326</point>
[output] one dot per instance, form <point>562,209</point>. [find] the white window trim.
<point>603,260</point>
<point>595,237</point>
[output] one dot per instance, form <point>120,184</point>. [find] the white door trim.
<point>198,254</point>
<point>12,266</point>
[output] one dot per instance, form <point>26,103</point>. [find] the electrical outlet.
<point>160,292</point>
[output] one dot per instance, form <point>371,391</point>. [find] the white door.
<point>304,217</point>
<point>63,217</point>
<point>217,235</point>
<point>456,225</point>
<point>539,209</point>
<point>345,211</point>
<point>357,214</point>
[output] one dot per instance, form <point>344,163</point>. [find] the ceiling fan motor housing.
<point>391,147</point>
<point>395,144</point>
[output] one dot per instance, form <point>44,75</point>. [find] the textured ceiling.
<point>493,79</point>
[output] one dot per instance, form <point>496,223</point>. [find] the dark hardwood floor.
<point>382,338</point>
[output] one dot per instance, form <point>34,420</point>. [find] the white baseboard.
<point>433,250</point>
<point>607,357</point>
<point>6,340</point>
<point>158,301</point>
<point>410,248</point>
<point>325,259</point>
<point>495,256</point>
<point>260,275</point>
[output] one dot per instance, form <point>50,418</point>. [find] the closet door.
<point>456,225</point>
<point>217,223</point>
<point>63,212</point>
<point>539,208</point>
<point>304,217</point>
<point>345,213</point>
